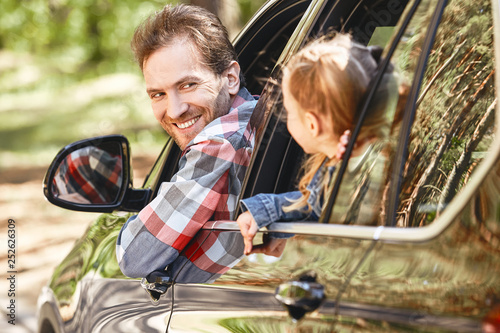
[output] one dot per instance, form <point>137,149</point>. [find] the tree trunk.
<point>431,168</point>
<point>461,166</point>
<point>439,72</point>
<point>228,12</point>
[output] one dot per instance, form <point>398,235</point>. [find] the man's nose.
<point>176,106</point>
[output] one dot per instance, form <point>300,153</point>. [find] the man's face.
<point>185,94</point>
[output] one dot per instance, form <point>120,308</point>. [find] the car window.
<point>363,190</point>
<point>451,129</point>
<point>260,45</point>
<point>277,162</point>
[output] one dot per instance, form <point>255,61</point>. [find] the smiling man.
<point>194,82</point>
<point>186,95</point>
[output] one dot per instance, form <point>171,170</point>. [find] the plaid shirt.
<point>206,187</point>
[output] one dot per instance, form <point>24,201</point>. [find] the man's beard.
<point>220,107</point>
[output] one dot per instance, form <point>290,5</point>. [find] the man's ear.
<point>233,76</point>
<point>313,124</point>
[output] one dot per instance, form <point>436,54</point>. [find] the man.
<point>193,80</point>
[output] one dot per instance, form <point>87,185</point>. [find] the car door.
<point>432,262</point>
<point>273,169</point>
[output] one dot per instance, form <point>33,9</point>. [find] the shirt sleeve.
<point>154,238</point>
<point>268,208</point>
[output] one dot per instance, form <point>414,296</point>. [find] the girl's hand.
<point>248,229</point>
<point>271,246</point>
<point>342,145</point>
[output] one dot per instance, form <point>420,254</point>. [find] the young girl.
<point>322,86</point>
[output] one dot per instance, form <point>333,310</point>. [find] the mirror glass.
<point>90,175</point>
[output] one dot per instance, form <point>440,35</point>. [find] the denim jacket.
<point>268,208</point>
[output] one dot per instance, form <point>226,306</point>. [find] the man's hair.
<point>197,24</point>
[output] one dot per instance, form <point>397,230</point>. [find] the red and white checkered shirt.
<point>91,173</point>
<point>205,188</point>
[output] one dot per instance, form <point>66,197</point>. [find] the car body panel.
<point>454,276</point>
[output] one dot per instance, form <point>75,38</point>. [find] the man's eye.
<point>156,95</point>
<point>188,85</point>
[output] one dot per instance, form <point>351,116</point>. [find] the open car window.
<point>276,165</point>
<point>436,140</point>
<point>276,162</point>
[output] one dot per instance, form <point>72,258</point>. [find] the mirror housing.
<point>94,175</point>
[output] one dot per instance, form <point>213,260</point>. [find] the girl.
<point>322,86</point>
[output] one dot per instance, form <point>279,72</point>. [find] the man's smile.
<point>187,123</point>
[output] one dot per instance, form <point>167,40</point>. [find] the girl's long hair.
<point>331,77</point>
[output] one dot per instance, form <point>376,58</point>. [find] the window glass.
<point>277,164</point>
<point>454,120</point>
<point>361,198</point>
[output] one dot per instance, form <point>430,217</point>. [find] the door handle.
<point>156,286</point>
<point>300,297</point>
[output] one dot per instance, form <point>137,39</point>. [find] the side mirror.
<point>90,175</point>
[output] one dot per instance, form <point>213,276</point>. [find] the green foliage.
<point>249,7</point>
<point>67,73</point>
<point>89,37</point>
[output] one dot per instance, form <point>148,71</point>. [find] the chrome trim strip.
<point>253,19</point>
<point>301,31</point>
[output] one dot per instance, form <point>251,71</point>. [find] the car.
<point>432,262</point>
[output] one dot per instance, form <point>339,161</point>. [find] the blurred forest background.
<point>67,73</point>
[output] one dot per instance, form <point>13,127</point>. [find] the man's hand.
<point>248,228</point>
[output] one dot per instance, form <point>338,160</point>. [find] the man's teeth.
<point>188,123</point>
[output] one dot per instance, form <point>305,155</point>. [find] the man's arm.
<point>154,238</point>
